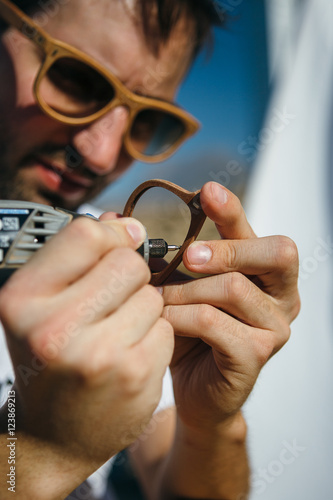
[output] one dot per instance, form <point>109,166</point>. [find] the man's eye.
<point>73,78</point>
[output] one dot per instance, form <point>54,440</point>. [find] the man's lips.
<point>77,179</point>
<point>57,177</point>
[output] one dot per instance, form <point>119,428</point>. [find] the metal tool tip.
<point>173,248</point>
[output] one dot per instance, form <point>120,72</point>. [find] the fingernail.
<point>160,289</point>
<point>137,231</point>
<point>219,194</point>
<point>197,253</point>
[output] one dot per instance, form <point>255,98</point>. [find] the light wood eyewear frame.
<point>198,217</point>
<point>56,49</point>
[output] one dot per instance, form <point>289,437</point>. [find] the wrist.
<point>231,430</point>
<point>207,462</point>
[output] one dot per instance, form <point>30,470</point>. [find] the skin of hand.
<point>230,323</point>
<point>227,326</point>
<point>82,309</point>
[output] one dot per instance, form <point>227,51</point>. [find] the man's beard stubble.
<point>14,184</point>
<point>11,187</point>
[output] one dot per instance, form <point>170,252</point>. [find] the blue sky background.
<point>228,94</point>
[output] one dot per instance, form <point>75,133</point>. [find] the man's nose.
<point>100,143</point>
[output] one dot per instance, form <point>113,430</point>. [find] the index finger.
<point>225,209</point>
<point>76,249</point>
<point>274,259</point>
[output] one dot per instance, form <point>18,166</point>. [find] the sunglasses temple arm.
<point>10,16</point>
<point>16,17</point>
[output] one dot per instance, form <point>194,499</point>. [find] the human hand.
<point>229,324</point>
<point>87,340</point>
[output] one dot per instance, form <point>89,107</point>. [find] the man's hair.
<point>160,16</point>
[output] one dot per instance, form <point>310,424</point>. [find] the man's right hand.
<point>87,340</point>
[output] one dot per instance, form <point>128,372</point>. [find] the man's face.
<point>34,148</point>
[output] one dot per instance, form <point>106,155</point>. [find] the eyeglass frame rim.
<point>135,103</point>
<point>198,217</point>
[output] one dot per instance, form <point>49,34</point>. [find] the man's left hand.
<point>230,323</point>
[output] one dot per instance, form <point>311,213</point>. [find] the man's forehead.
<point>110,32</point>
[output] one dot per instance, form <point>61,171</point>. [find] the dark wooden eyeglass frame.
<point>56,49</point>
<point>198,217</point>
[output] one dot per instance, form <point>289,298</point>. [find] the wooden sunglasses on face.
<point>74,89</point>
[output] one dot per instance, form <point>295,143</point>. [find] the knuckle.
<point>134,377</point>
<point>153,297</point>
<point>128,259</point>
<point>285,333</point>
<point>295,308</point>
<point>165,329</point>
<point>146,302</point>
<point>118,229</point>
<point>167,313</point>
<point>92,366</point>
<point>178,295</point>
<point>101,368</point>
<point>265,352</point>
<point>6,304</point>
<point>271,342</point>
<point>236,287</point>
<point>140,266</point>
<point>166,334</point>
<point>50,350</point>
<point>207,316</point>
<point>14,303</point>
<point>286,252</point>
<point>230,255</point>
<point>89,231</point>
<point>266,347</point>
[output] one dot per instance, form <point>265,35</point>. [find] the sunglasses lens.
<point>74,89</point>
<point>154,132</point>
